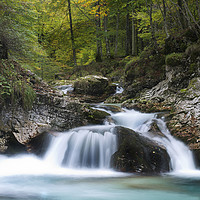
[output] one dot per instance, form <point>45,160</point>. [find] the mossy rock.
<point>93,85</point>
<point>193,51</point>
<point>174,59</point>
<point>175,44</point>
<point>147,106</point>
<point>145,72</point>
<point>94,116</point>
<point>190,35</point>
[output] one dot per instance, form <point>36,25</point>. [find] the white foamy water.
<point>182,162</point>
<point>86,151</point>
<point>65,88</point>
<point>85,147</point>
<point>81,152</point>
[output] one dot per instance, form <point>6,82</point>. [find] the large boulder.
<point>138,154</point>
<point>94,86</point>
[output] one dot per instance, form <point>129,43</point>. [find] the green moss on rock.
<point>174,59</point>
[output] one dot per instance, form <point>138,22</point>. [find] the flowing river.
<point>76,166</point>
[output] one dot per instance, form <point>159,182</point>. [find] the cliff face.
<point>49,112</point>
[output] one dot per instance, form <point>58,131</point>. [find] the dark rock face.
<point>3,50</point>
<point>138,154</point>
<point>48,113</point>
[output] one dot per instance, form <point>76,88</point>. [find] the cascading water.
<point>91,147</point>
<point>76,158</point>
<point>86,147</point>
<point>180,155</point>
<point>65,88</point>
<point>119,89</point>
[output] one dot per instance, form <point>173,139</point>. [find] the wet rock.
<point>148,106</point>
<point>9,144</point>
<point>138,154</point>
<point>94,116</point>
<point>112,108</point>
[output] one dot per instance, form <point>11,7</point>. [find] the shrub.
<point>174,59</point>
<point>15,88</point>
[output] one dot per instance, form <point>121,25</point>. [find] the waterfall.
<point>119,89</point>
<point>180,156</point>
<point>85,147</point>
<point>88,150</point>
<point>65,88</point>
<point>93,146</point>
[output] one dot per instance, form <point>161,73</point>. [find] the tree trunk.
<point>106,35</point>
<point>134,36</point>
<point>165,18</point>
<point>72,33</point>
<point>3,50</point>
<point>98,34</point>
<point>117,34</point>
<point>128,33</point>
<point>198,8</point>
<point>181,15</point>
<point>190,14</point>
<point>149,10</point>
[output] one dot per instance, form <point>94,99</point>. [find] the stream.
<point>76,166</point>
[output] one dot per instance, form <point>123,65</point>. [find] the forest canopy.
<point>61,35</point>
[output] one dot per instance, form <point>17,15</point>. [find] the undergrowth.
<point>14,87</point>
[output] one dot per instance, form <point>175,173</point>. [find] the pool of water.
<point>130,187</point>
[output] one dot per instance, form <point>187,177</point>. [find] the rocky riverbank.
<point>50,111</point>
<point>171,89</point>
<point>177,97</point>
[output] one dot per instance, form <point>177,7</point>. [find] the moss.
<point>193,51</point>
<point>28,97</point>
<point>15,86</point>
<point>192,83</point>
<point>94,116</point>
<point>174,59</point>
<point>175,44</point>
<point>183,91</point>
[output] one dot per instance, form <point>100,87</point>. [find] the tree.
<point>149,5</point>
<point>72,33</point>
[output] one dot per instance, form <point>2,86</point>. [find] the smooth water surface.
<point>116,188</point>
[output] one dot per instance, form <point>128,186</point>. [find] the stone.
<point>93,85</point>
<point>138,154</point>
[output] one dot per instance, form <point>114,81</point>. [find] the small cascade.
<point>119,89</point>
<point>131,118</point>
<point>86,150</point>
<point>180,155</point>
<point>86,147</point>
<point>65,88</point>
